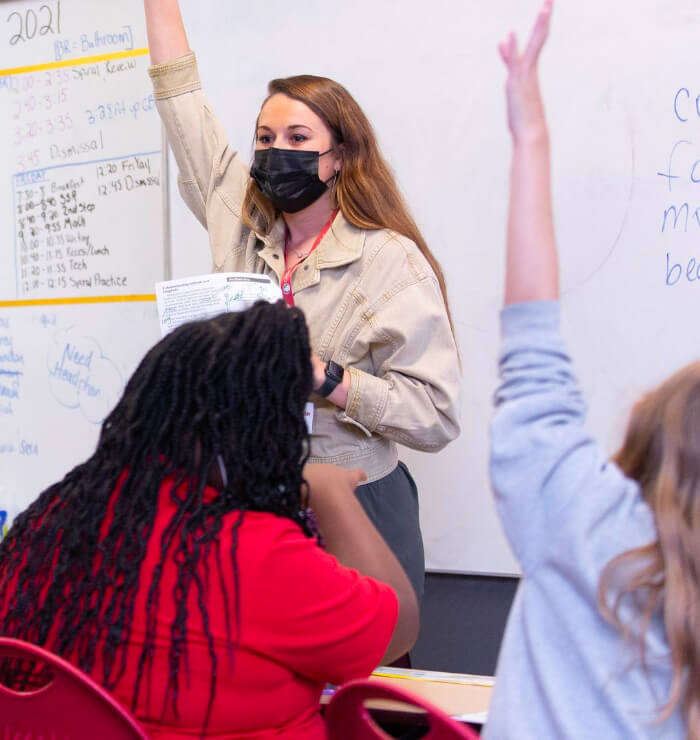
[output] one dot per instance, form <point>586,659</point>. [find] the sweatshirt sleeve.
<point>542,459</point>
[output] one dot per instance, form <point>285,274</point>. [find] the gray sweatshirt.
<point>563,672</point>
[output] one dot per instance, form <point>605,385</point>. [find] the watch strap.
<point>334,376</point>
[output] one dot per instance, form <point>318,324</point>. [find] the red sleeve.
<point>324,621</point>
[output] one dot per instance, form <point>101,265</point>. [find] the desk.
<point>464,697</point>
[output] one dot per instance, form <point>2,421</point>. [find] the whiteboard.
<point>430,80</point>
<point>82,189</point>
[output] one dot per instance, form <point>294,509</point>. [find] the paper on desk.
<point>438,676</point>
<point>205,296</point>
<point>475,718</point>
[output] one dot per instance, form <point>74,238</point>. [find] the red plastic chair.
<point>347,717</point>
<point>71,705</point>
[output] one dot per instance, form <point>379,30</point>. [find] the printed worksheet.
<point>205,296</point>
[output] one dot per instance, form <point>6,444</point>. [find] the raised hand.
<point>525,111</point>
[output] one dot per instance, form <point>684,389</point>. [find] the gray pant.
<point>392,504</point>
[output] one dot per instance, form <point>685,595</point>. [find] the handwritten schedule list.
<point>62,245</point>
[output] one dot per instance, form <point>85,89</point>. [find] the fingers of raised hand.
<point>508,48</point>
<point>539,34</point>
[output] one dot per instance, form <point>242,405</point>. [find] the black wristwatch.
<point>334,375</point>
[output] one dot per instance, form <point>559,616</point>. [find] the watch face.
<point>334,371</point>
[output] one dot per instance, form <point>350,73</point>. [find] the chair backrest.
<point>348,718</point>
<point>71,705</point>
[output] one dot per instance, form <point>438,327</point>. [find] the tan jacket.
<point>371,300</point>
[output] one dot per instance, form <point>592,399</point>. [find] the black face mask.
<point>289,177</point>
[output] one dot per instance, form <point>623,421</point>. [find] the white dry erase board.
<point>82,229</point>
<point>621,82</point>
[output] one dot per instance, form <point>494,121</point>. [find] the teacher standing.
<point>319,210</point>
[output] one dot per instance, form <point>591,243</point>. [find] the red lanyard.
<point>286,282</point>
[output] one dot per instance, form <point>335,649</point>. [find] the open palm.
<point>525,112</point>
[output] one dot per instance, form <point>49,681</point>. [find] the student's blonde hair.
<point>661,452</point>
<point>365,190</point>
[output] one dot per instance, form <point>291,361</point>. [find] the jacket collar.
<point>341,245</point>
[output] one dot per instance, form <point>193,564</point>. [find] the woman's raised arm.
<point>167,39</point>
<point>531,258</point>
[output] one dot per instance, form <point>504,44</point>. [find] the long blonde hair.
<point>661,452</point>
<point>365,190</point>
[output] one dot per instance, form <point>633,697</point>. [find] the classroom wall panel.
<point>463,618</point>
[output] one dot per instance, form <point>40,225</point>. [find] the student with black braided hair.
<point>180,564</point>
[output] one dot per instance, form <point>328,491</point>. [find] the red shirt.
<point>305,620</point>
